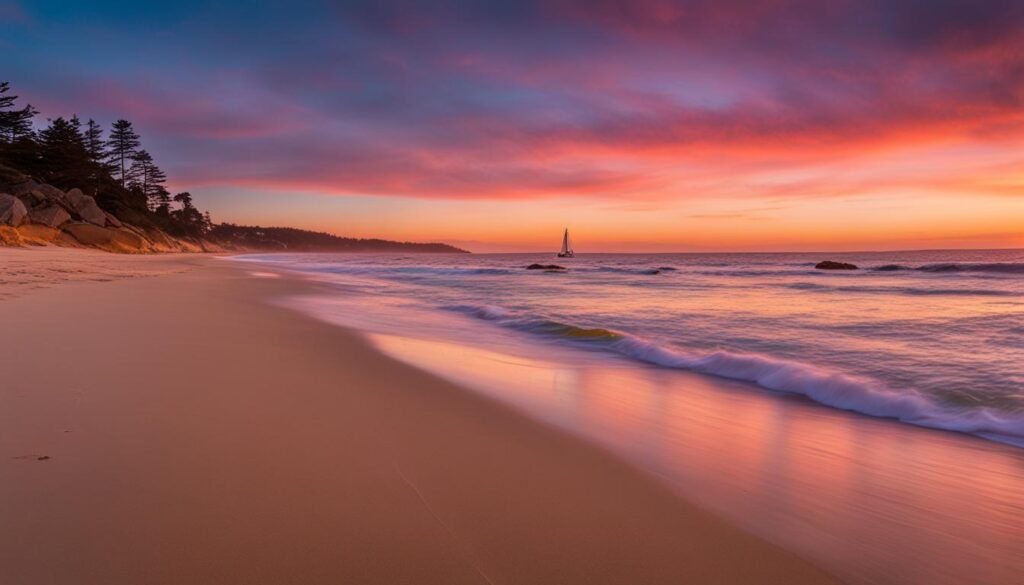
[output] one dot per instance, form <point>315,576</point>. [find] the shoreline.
<point>196,433</point>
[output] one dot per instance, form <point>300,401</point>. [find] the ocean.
<point>929,338</point>
<point>865,411</point>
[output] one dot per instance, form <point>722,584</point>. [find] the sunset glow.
<point>647,125</point>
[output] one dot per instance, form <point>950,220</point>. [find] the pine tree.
<point>150,180</point>
<point>63,158</point>
<point>123,145</point>
<point>14,124</point>
<point>96,149</point>
<point>94,144</point>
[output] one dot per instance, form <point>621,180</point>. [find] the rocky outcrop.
<point>831,265</point>
<point>545,267</point>
<point>12,210</point>
<point>37,214</point>
<point>119,240</point>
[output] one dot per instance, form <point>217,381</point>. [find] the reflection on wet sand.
<point>870,500</point>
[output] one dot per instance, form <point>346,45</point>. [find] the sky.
<point>641,125</point>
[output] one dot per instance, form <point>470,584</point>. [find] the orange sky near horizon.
<point>954,195</point>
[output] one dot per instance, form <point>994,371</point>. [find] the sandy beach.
<point>168,425</point>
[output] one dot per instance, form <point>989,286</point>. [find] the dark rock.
<point>49,191</point>
<point>42,458</point>
<point>85,207</point>
<point>75,197</point>
<point>52,215</point>
<point>23,187</point>
<point>35,198</point>
<point>12,210</point>
<point>655,271</point>
<point>545,267</point>
<point>830,265</point>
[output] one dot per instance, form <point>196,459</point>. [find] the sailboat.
<point>566,251</point>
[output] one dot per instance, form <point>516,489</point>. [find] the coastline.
<point>196,433</point>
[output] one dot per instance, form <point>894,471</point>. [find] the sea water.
<point>929,338</point>
<point>872,419</point>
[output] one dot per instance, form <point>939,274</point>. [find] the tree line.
<point>116,170</point>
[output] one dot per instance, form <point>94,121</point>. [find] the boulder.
<point>35,198</point>
<point>75,197</point>
<point>51,215</point>
<point>545,267</point>
<point>113,221</point>
<point>23,187</point>
<point>112,240</point>
<point>50,192</point>
<point>10,236</point>
<point>85,207</point>
<point>830,265</point>
<point>12,210</point>
<point>92,213</point>
<point>35,234</point>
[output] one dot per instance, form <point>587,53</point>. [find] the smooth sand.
<point>197,434</point>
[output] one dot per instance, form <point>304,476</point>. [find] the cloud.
<point>614,99</point>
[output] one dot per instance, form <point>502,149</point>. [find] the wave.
<point>817,383</point>
<point>999,267</point>
<point>903,290</point>
<point>941,267</point>
<point>642,271</point>
<point>413,271</point>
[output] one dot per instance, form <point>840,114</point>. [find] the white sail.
<point>566,251</point>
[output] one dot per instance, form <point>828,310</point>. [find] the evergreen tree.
<point>63,159</point>
<point>185,199</point>
<point>96,149</point>
<point>150,179</point>
<point>192,221</point>
<point>123,145</point>
<point>14,124</point>
<point>94,144</point>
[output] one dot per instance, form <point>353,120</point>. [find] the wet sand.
<point>179,429</point>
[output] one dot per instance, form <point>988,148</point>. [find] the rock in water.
<point>830,265</point>
<point>545,267</point>
<point>51,215</point>
<point>12,210</point>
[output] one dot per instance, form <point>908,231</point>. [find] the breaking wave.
<point>993,267</point>
<point>817,383</point>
